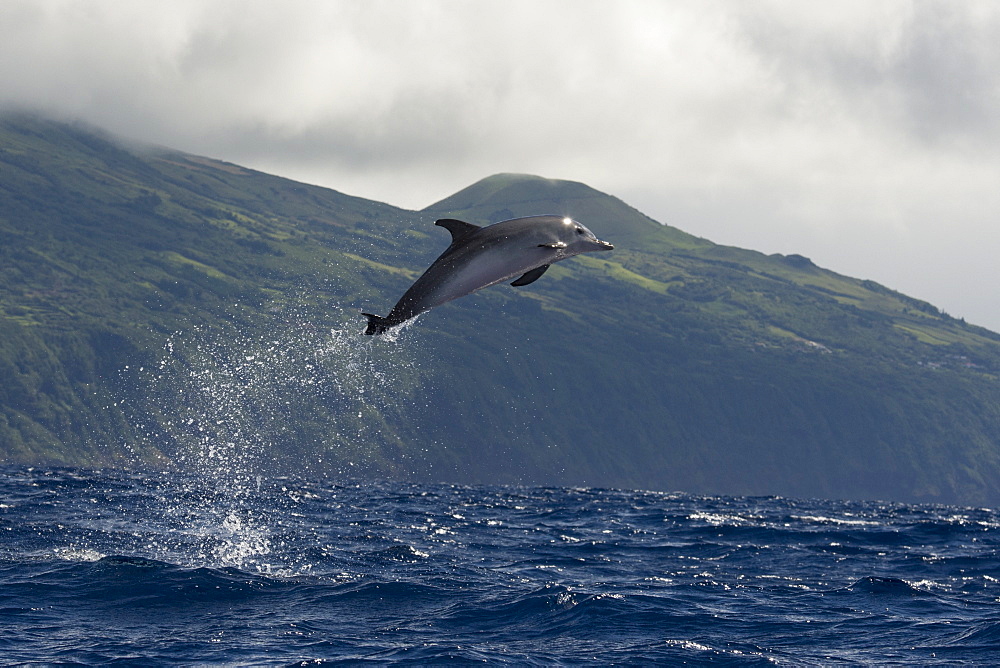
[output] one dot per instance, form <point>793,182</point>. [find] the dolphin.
<point>479,257</point>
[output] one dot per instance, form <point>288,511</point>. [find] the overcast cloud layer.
<point>865,135</point>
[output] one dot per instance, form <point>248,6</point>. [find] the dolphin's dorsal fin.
<point>459,228</point>
<point>530,276</point>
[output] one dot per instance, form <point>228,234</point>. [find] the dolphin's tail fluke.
<point>376,323</point>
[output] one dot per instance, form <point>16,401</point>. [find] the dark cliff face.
<point>670,363</point>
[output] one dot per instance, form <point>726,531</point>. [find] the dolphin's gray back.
<point>475,259</point>
<point>479,257</point>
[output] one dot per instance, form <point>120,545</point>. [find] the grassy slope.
<point>670,363</point>
<point>106,251</point>
<point>741,284</point>
<point>733,371</point>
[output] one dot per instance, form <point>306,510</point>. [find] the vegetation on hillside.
<point>157,306</point>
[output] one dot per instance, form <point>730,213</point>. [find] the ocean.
<point>113,568</point>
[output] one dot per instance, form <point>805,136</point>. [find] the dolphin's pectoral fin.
<point>531,276</point>
<point>459,228</point>
<point>558,244</point>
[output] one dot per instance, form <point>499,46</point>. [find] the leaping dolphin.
<point>479,257</point>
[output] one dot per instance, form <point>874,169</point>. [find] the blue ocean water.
<point>114,568</point>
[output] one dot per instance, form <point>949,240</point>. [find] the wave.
<point>98,567</point>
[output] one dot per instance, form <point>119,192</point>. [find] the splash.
<point>233,410</point>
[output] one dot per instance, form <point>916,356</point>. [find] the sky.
<point>864,135</point>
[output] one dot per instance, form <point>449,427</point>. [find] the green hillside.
<point>158,308</point>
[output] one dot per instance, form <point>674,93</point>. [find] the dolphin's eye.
<point>579,230</point>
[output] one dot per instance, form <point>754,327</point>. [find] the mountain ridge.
<point>717,369</point>
<point>476,202</point>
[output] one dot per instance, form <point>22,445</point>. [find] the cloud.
<point>858,133</point>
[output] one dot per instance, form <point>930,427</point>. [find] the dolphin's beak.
<point>603,245</point>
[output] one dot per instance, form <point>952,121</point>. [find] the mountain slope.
<point>739,284</point>
<point>741,371</point>
<point>158,306</point>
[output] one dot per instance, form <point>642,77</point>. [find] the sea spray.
<point>226,400</point>
<point>233,411</point>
